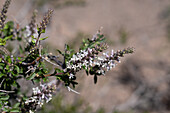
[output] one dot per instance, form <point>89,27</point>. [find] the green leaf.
<point>2,93</point>
<point>43,31</point>
<point>15,110</point>
<point>95,79</point>
<point>17,69</point>
<point>16,105</point>
<point>87,71</point>
<point>9,24</point>
<point>2,64</point>
<point>19,38</point>
<point>45,79</point>
<point>7,67</point>
<point>36,80</point>
<point>33,37</point>
<point>9,60</point>
<point>15,84</point>
<point>0,105</point>
<point>31,76</point>
<point>57,70</point>
<point>2,42</point>
<point>1,67</point>
<point>67,47</point>
<point>8,37</point>
<point>20,49</point>
<point>4,97</point>
<point>19,58</point>
<point>59,52</point>
<point>21,70</point>
<point>25,98</point>
<point>43,38</point>
<point>1,75</point>
<point>38,28</point>
<point>6,109</point>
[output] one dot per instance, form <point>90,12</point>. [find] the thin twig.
<point>52,75</point>
<point>4,60</point>
<point>50,62</point>
<point>7,91</point>
<point>2,82</point>
<point>34,62</point>
<point>69,89</point>
<point>40,48</point>
<point>36,43</point>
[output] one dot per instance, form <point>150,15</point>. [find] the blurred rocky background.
<point>140,83</point>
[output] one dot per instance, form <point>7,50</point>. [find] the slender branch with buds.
<point>29,63</point>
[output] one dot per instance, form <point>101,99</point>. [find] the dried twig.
<point>7,91</point>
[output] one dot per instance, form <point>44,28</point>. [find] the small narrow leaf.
<point>16,105</point>
<point>17,68</point>
<point>67,47</point>
<point>43,31</point>
<point>4,97</point>
<point>43,38</point>
<point>20,49</point>
<point>31,76</point>
<point>59,51</point>
<point>14,110</point>
<point>95,79</point>
<point>87,71</point>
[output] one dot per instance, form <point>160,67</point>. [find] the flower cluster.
<point>80,59</point>
<point>87,59</point>
<point>43,25</point>
<point>3,13</point>
<point>28,61</point>
<point>5,106</point>
<point>109,61</point>
<point>3,50</point>
<point>31,28</point>
<point>45,21</point>
<point>29,33</point>
<point>40,95</point>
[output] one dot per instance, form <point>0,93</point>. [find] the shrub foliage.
<point>26,58</point>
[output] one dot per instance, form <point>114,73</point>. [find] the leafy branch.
<point>29,63</point>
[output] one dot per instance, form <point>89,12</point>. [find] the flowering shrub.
<point>28,59</point>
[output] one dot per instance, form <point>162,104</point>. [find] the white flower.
<point>100,58</point>
<point>48,99</point>
<point>89,50</point>
<point>41,102</point>
<point>35,35</point>
<point>108,68</point>
<point>74,67</point>
<point>28,32</point>
<point>73,58</point>
<point>79,65</point>
<point>112,53</point>
<point>71,76</point>
<point>101,72</point>
<point>68,65</point>
<point>97,63</point>
<point>31,111</point>
<point>90,63</point>
<point>36,90</point>
<point>106,54</point>
<point>85,62</point>
<point>43,95</point>
<point>85,53</point>
<point>94,37</point>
